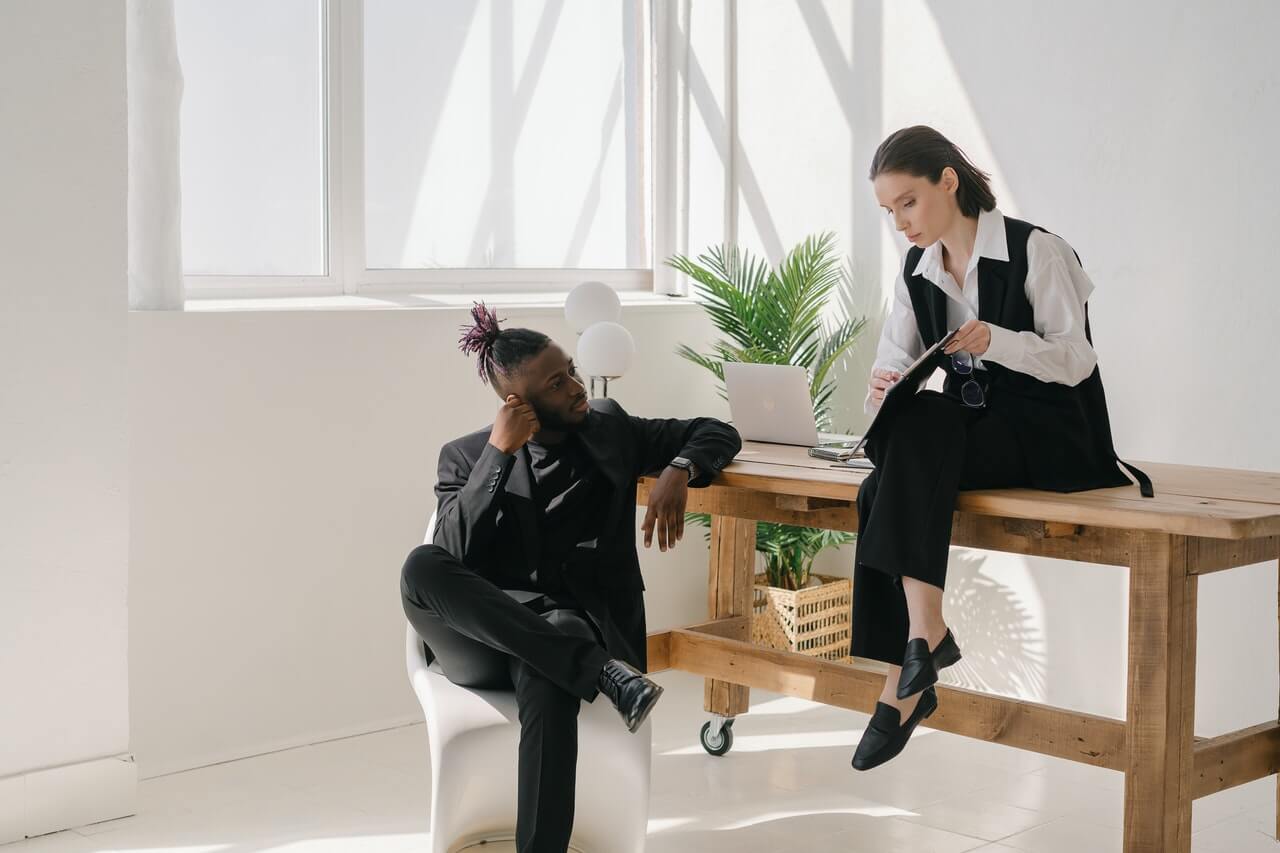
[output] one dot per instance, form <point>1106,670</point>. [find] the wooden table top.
<point>1219,503</point>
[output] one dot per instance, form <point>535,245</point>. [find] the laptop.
<point>770,403</point>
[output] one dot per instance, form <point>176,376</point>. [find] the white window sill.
<point>525,302</point>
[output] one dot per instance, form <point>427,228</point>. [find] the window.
<point>505,134</point>
<point>252,142</point>
<point>333,146</point>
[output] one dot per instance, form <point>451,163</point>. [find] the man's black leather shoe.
<point>884,738</point>
<point>630,692</point>
<point>920,666</point>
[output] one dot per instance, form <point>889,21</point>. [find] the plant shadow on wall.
<point>772,316</point>
<point>1004,648</point>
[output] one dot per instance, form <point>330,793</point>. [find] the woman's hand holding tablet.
<point>881,380</point>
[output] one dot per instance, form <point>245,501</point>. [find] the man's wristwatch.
<point>686,464</point>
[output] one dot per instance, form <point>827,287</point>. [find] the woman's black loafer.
<point>884,738</point>
<point>920,666</point>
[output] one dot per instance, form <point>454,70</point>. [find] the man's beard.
<point>553,421</point>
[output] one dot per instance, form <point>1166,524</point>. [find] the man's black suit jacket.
<point>487,519</point>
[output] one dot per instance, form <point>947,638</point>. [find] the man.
<point>532,579</point>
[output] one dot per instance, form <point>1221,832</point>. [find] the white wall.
<point>283,465</point>
<point>63,412</point>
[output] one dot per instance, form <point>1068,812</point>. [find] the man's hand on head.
<point>514,425</point>
<point>667,501</point>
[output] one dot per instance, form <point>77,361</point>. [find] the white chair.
<point>473,738</point>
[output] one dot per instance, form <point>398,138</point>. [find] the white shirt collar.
<point>991,242</point>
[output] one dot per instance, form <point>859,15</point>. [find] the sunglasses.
<point>971,393</point>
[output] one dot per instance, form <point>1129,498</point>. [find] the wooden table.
<point>1202,520</point>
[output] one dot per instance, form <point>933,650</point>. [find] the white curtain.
<point>155,197</point>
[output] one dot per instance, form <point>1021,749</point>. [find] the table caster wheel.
<point>719,743</point>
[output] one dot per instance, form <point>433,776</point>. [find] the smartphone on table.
<point>836,451</point>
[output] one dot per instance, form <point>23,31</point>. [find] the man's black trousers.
<point>483,637</point>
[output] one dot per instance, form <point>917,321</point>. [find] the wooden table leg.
<point>1278,711</point>
<point>1161,696</point>
<point>733,548</point>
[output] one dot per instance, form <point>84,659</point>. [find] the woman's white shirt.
<point>1056,286</point>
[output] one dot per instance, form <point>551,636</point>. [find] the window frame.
<point>346,273</point>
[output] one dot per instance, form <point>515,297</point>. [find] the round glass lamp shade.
<point>592,302</point>
<point>606,349</point>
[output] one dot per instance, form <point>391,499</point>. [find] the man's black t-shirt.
<point>569,496</point>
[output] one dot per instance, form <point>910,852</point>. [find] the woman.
<point>1022,405</point>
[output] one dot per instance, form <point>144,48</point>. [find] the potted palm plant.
<point>772,316</point>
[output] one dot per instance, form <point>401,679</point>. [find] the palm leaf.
<point>835,346</point>
<point>715,366</point>
<point>771,316</point>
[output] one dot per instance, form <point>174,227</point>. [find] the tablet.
<point>906,387</point>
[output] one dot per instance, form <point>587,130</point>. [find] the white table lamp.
<point>605,351</point>
<point>592,302</point>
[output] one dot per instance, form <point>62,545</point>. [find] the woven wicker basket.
<point>813,621</point>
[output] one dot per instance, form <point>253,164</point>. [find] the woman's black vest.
<point>1064,431</point>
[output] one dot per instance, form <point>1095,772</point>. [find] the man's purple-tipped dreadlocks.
<point>480,337</point>
<point>500,350</point>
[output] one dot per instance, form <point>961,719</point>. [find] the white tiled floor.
<point>785,788</point>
